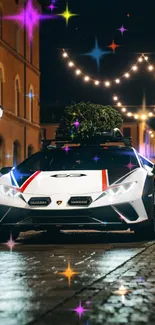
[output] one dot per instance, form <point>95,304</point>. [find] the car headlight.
<point>9,191</point>
<point>120,189</point>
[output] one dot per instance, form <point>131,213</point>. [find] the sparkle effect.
<point>80,310</point>
<point>30,95</point>
<point>8,156</point>
<point>113,46</point>
<point>96,53</point>
<point>76,124</point>
<point>66,149</point>
<point>122,291</point>
<point>122,29</point>
<point>67,14</point>
<point>68,273</point>
<point>29,17</point>
<point>130,165</point>
<point>96,158</point>
<point>11,243</point>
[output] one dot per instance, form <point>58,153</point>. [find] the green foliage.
<point>93,118</point>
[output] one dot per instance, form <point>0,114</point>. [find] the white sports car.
<point>89,186</point>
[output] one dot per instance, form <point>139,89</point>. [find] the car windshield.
<point>80,158</point>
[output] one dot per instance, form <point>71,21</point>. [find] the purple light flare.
<point>76,124</point>
<point>122,29</point>
<point>66,149</point>
<point>80,310</point>
<point>29,17</point>
<point>96,158</point>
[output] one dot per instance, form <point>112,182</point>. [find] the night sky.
<point>101,19</point>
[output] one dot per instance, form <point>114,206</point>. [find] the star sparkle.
<point>67,14</point>
<point>30,95</point>
<point>130,165</point>
<point>66,149</point>
<point>97,53</point>
<point>113,46</point>
<point>8,156</point>
<point>29,17</point>
<point>80,310</point>
<point>11,243</point>
<point>68,273</point>
<point>96,158</point>
<point>52,6</point>
<point>76,124</point>
<point>122,29</point>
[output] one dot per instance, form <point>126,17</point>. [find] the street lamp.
<point>1,111</point>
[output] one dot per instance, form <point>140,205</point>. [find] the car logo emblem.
<point>59,202</point>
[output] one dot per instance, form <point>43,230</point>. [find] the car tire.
<point>5,234</point>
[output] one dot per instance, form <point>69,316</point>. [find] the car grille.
<point>80,201</point>
<point>39,201</point>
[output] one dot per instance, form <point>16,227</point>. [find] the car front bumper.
<point>120,216</point>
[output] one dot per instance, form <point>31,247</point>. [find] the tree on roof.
<point>86,120</point>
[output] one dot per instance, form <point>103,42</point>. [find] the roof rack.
<point>107,137</point>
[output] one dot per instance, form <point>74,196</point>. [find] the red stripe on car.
<point>104,180</point>
<point>29,180</point>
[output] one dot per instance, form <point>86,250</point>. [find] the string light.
<point>107,83</point>
<point>78,71</point>
<point>71,64</point>
<point>86,78</point>
<point>97,82</point>
<point>152,135</point>
<point>115,98</point>
<point>150,67</point>
<point>119,104</point>
<point>123,109</point>
<point>134,68</point>
<point>127,75</point>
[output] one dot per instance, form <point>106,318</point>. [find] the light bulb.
<point>134,68</point>
<point>65,55</point>
<point>96,82</point>
<point>127,75</point>
<point>107,83</point>
<point>70,64</point>
<point>115,98</point>
<point>152,135</point>
<point>123,109</point>
<point>150,132</point>
<point>78,72</point>
<point>146,58</point>
<point>129,114</point>
<point>136,116</point>
<point>86,78</point>
<point>150,67</point>
<point>143,117</point>
<point>117,81</point>
<point>119,104</point>
<point>150,114</point>
<point>140,59</point>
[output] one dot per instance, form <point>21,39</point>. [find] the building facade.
<point>19,76</point>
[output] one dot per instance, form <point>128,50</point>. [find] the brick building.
<point>19,76</point>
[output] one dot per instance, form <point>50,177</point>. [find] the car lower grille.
<point>80,201</point>
<point>39,201</point>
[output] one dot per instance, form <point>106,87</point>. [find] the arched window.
<point>31,101</point>
<point>17,96</point>
<point>16,153</point>
<point>30,150</point>
<point>2,152</point>
<point>17,38</point>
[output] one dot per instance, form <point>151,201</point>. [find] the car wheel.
<point>6,234</point>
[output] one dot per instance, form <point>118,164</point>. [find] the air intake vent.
<point>80,200</point>
<point>39,201</point>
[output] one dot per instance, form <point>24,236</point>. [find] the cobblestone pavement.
<point>115,281</point>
